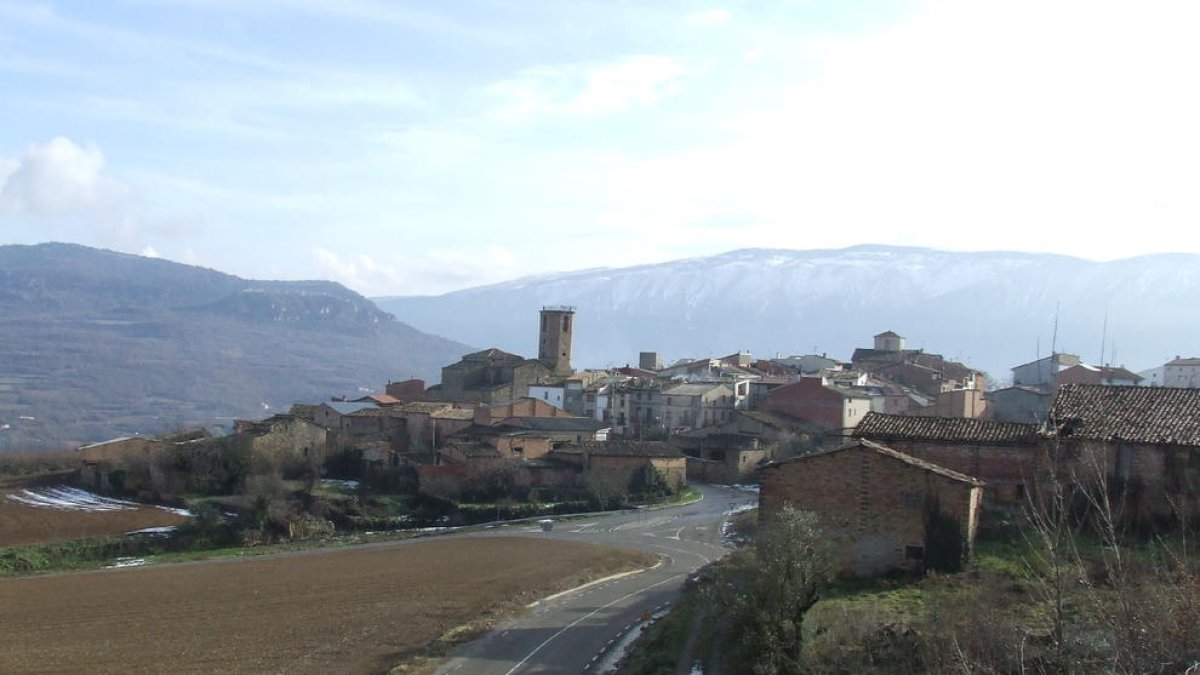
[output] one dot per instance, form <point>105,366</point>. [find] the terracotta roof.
<point>377,412</point>
<point>628,448</point>
<point>776,419</point>
<point>453,414</point>
<point>1191,361</point>
<point>552,424</point>
<point>879,426</point>
<point>1158,415</point>
<point>424,406</point>
<point>884,450</point>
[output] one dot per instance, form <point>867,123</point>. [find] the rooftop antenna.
<point>1054,335</point>
<point>1104,338</point>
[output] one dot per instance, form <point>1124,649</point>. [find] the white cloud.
<point>969,126</point>
<point>589,90</point>
<point>435,271</point>
<point>149,252</point>
<point>60,178</point>
<point>710,17</point>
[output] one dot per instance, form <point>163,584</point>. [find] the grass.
<point>660,648</point>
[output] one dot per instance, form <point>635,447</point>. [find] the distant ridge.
<point>992,310</point>
<point>98,344</point>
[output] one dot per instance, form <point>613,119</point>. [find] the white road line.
<point>586,617</point>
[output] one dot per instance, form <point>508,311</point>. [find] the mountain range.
<point>991,310</point>
<point>98,344</point>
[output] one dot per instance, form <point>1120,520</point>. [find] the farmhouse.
<point>881,508</point>
<point>1002,453</point>
<point>1144,439</point>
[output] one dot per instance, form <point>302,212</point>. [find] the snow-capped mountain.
<point>992,310</point>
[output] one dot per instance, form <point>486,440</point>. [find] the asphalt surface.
<point>578,631</point>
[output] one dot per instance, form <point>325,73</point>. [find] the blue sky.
<point>404,148</point>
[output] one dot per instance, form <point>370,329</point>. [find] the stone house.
<point>490,376</point>
<point>286,441</point>
<point>874,503</point>
<point>620,460</point>
<point>329,415</point>
<point>1145,440</point>
<point>1004,454</point>
<point>98,461</point>
<point>522,407</point>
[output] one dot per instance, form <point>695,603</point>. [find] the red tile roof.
<point>889,452</point>
<point>881,427</point>
<point>1155,415</point>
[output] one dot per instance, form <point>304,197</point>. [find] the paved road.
<point>574,632</point>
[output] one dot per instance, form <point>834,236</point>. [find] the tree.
<point>767,594</point>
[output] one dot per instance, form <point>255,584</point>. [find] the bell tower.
<point>554,344</point>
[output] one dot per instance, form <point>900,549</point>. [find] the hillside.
<point>98,344</point>
<point>992,310</point>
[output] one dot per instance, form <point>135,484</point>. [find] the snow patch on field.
<point>166,529</point>
<point>69,499</point>
<point>127,562</point>
<point>65,498</point>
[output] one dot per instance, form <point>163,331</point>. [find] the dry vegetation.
<point>356,610</point>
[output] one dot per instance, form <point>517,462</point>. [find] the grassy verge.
<point>661,646</point>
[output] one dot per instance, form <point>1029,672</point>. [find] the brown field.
<point>357,610</point>
<point>22,524</point>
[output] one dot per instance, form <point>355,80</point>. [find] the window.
<point>914,552</point>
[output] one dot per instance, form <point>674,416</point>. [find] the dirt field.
<point>24,524</point>
<point>356,610</point>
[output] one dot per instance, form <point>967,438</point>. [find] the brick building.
<point>1146,439</point>
<point>872,502</point>
<point>830,407</point>
<point>1002,453</point>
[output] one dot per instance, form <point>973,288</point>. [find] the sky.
<point>407,148</point>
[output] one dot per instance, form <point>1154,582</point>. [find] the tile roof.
<point>1158,415</point>
<point>1192,361</point>
<point>424,406</point>
<point>883,427</point>
<point>699,389</point>
<point>453,414</point>
<point>560,424</point>
<point>776,419</point>
<point>628,448</point>
<point>889,452</point>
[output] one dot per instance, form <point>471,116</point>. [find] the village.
<point>868,444</point>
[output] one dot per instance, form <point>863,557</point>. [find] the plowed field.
<point>355,610</point>
<point>21,523</point>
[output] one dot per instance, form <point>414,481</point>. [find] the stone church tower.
<point>554,345</point>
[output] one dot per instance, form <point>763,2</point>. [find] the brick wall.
<point>1007,470</point>
<point>871,505</point>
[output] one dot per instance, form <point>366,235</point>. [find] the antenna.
<point>1104,337</point>
<point>1054,335</point>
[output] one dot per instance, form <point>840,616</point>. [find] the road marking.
<point>586,617</point>
<point>590,584</point>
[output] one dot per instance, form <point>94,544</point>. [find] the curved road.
<point>574,632</point>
